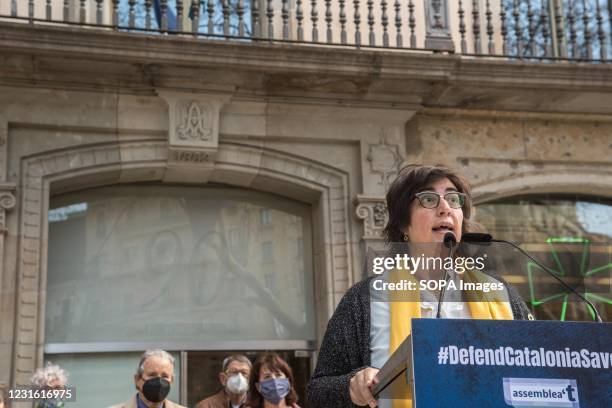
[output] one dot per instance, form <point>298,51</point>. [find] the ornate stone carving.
<point>194,121</point>
<point>437,25</point>
<point>380,215</point>
<point>373,212</point>
<point>190,157</point>
<point>7,202</point>
<point>193,128</point>
<point>385,159</point>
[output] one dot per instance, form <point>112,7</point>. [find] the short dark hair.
<point>410,180</point>
<point>275,363</point>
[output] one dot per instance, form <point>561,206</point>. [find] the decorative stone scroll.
<point>193,127</point>
<point>385,159</point>
<point>373,212</point>
<point>7,202</point>
<point>437,24</point>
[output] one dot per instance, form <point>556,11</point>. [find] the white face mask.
<point>237,384</point>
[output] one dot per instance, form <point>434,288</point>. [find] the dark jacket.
<point>345,349</point>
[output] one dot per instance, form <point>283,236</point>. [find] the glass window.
<point>266,217</point>
<point>127,264</point>
<point>267,251</point>
<point>533,219</point>
<point>571,236</point>
<point>102,380</point>
<point>203,368</point>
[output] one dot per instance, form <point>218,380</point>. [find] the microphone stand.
<point>551,273</point>
<point>486,239</point>
<point>451,242</point>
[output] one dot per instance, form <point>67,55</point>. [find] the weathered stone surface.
<point>492,146</point>
<point>568,141</point>
<point>327,127</point>
<point>99,60</point>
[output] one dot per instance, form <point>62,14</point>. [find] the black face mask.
<point>156,389</point>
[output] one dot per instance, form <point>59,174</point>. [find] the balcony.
<point>553,30</point>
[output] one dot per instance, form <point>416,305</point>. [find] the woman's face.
<point>265,373</point>
<point>430,224</point>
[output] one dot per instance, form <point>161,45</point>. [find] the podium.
<point>494,363</point>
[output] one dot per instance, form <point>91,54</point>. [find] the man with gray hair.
<point>234,378</point>
<point>153,379</point>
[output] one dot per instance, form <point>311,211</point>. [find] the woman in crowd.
<point>424,204</point>
<point>3,396</point>
<point>50,377</point>
<point>271,383</point>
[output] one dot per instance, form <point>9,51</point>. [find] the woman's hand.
<point>360,387</point>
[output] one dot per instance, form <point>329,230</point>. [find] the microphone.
<point>476,238</point>
<point>450,241</point>
<point>487,239</point>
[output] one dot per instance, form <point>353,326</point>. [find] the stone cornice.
<point>187,51</point>
<point>102,59</point>
<point>540,74</point>
<point>452,113</point>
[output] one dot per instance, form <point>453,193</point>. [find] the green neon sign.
<point>561,272</point>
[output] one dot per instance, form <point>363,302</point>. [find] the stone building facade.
<point>324,127</point>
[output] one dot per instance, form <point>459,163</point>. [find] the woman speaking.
<point>425,204</point>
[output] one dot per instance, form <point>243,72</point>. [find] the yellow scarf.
<point>482,305</point>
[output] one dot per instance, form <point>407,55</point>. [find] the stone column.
<point>7,203</point>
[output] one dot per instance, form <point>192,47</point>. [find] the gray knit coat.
<point>345,349</point>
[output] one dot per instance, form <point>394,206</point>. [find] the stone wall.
<point>509,153</point>
<point>327,127</point>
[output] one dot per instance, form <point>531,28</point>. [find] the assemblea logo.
<point>537,392</point>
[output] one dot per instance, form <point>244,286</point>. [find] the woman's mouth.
<point>443,228</point>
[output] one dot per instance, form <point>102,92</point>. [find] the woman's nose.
<point>443,207</point>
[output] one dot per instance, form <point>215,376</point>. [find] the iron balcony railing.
<point>543,29</point>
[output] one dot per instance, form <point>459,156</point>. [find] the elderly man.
<point>153,380</point>
<point>234,378</point>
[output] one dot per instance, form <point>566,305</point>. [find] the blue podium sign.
<point>487,363</point>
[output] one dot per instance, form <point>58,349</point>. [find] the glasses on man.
<point>431,199</point>
<point>244,372</point>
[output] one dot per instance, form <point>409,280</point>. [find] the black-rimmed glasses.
<point>430,199</point>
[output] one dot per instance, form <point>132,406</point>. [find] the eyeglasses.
<point>430,199</point>
<point>234,372</point>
